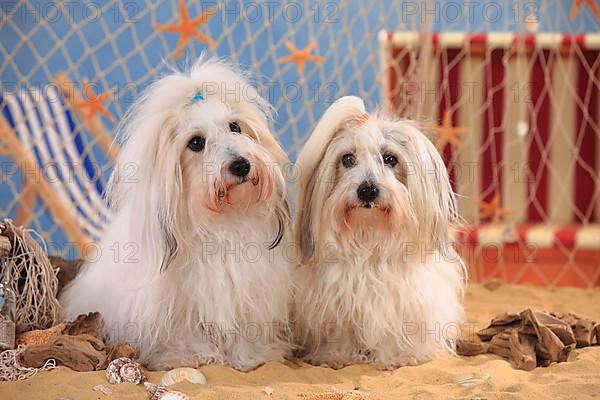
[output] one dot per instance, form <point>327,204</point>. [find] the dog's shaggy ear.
<point>309,163</point>
<point>147,179</point>
<point>428,183</point>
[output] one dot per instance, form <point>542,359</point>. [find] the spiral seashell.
<point>183,374</point>
<point>158,392</point>
<point>124,370</point>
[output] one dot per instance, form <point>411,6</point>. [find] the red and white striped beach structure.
<point>529,109</point>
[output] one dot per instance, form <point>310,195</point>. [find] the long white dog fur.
<point>380,281</point>
<point>190,270</point>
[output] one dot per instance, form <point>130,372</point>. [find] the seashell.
<point>183,374</point>
<point>158,392</point>
<point>124,370</point>
<point>105,389</point>
<point>471,379</point>
<point>268,391</point>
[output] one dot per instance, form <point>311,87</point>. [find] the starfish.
<point>39,336</point>
<point>590,3</point>
<point>492,210</point>
<point>301,57</point>
<point>92,104</point>
<point>187,28</point>
<point>4,148</point>
<point>448,134</point>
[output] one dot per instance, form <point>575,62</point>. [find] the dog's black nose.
<point>240,167</point>
<point>367,192</point>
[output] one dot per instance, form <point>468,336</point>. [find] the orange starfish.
<point>92,104</point>
<point>492,210</point>
<point>301,57</point>
<point>448,134</point>
<point>590,3</point>
<point>187,28</point>
<point>39,336</point>
<point>4,148</point>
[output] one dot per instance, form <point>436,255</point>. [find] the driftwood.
<point>90,324</point>
<point>79,346</point>
<point>491,331</point>
<point>555,339</point>
<point>522,350</point>
<point>80,353</point>
<point>582,327</point>
<point>532,338</point>
<point>471,348</point>
<point>498,325</point>
<point>500,344</point>
<point>67,270</point>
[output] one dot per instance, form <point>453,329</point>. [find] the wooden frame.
<point>33,188</point>
<point>42,188</point>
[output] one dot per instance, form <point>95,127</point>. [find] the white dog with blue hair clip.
<point>191,269</point>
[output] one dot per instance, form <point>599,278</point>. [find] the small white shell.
<point>183,374</point>
<point>268,391</point>
<point>162,393</point>
<point>172,395</point>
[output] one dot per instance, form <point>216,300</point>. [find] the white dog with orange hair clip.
<point>380,281</point>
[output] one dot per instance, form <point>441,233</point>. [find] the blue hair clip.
<point>198,96</point>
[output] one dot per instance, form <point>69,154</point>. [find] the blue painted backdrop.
<point>114,45</point>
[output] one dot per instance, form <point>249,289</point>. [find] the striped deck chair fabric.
<point>47,131</point>
<point>529,107</point>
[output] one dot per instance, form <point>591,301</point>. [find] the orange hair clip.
<point>361,119</point>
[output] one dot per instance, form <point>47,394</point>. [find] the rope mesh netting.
<point>109,51</point>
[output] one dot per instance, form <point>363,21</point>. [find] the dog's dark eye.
<point>390,159</point>
<point>196,143</point>
<point>235,127</point>
<point>348,160</point>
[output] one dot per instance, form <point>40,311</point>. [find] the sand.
<point>578,378</point>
